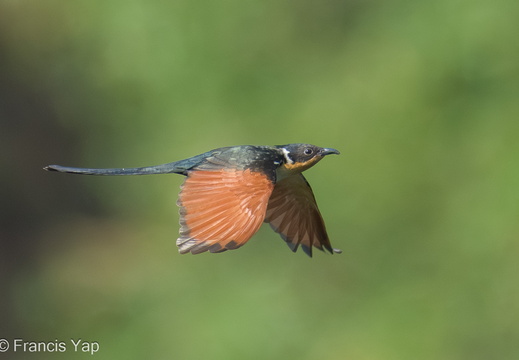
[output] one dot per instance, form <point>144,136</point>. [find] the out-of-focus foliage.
<point>420,97</point>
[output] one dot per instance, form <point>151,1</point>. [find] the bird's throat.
<point>287,169</point>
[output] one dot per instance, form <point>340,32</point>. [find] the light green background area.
<point>421,98</point>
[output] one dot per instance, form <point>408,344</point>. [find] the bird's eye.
<point>308,151</point>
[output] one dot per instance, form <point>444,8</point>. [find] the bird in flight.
<point>229,192</point>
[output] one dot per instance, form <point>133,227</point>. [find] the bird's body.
<point>229,192</point>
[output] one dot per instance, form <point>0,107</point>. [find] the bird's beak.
<point>328,151</point>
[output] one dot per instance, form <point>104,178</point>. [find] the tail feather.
<point>148,170</point>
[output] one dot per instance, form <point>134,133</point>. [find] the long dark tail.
<point>148,170</point>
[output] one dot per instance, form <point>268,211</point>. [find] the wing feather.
<point>293,213</point>
<point>221,209</point>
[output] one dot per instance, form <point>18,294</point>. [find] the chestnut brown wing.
<point>293,213</point>
<point>221,209</point>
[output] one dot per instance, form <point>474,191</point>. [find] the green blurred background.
<point>421,98</point>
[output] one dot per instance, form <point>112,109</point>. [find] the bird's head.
<point>299,157</point>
